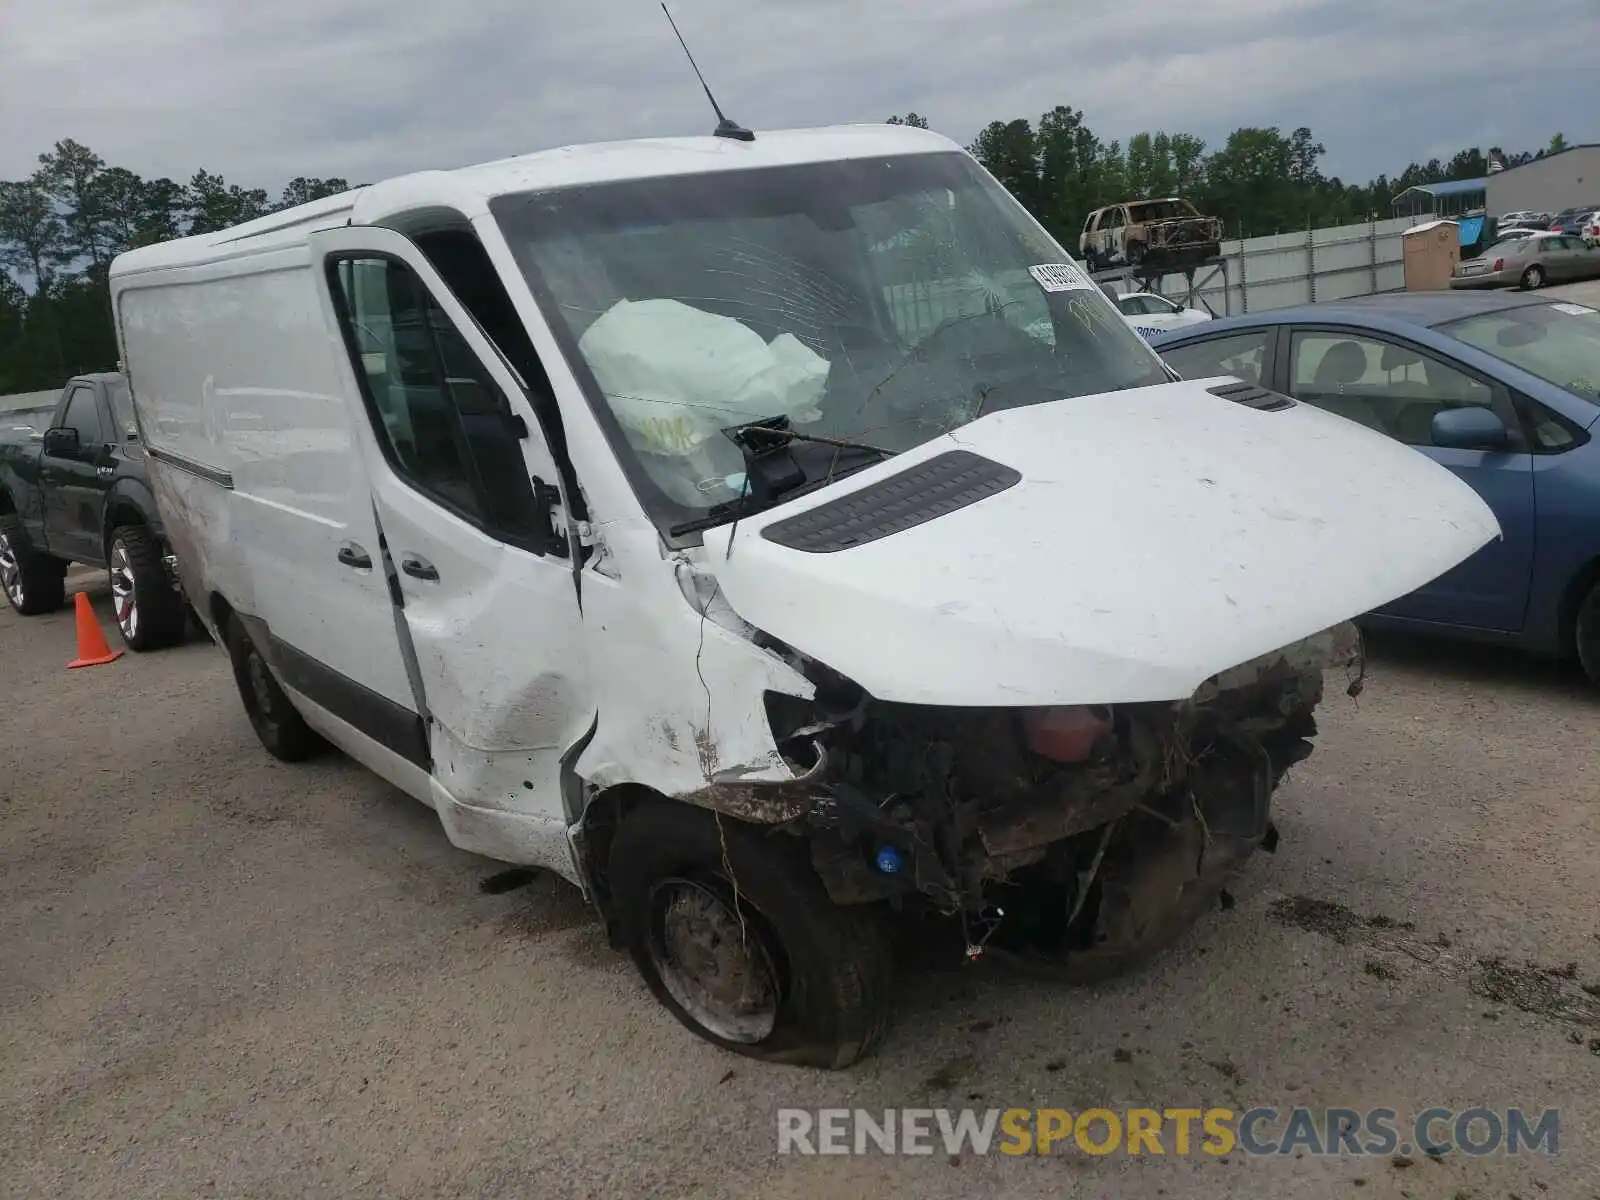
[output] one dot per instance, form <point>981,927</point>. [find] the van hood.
<point>1114,548</point>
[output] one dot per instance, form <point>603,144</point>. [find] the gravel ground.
<point>220,975</point>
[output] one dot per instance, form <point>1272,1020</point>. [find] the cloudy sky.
<point>262,90</point>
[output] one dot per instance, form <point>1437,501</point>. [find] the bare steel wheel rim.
<point>124,597</point>
<point>11,572</point>
<point>714,960</point>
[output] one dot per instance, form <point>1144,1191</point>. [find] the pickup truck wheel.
<point>1588,634</point>
<point>33,583</point>
<point>282,730</point>
<point>150,612</point>
<point>768,967</point>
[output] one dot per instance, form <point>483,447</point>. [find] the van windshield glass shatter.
<point>879,301</point>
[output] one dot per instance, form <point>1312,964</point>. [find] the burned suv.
<point>1166,232</point>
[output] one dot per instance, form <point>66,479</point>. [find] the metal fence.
<point>1306,267</point>
<point>1254,275</point>
<point>31,410</point>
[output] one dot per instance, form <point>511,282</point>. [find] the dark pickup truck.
<point>77,492</point>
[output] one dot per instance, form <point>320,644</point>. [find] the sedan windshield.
<point>879,302</point>
<point>1559,343</point>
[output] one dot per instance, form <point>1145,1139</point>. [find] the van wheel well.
<point>221,612</point>
<point>1585,579</point>
<point>601,819</point>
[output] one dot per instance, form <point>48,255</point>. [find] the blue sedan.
<point>1501,388</point>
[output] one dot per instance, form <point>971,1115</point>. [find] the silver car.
<point>1528,262</point>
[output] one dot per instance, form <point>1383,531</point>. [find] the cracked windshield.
<point>874,304</point>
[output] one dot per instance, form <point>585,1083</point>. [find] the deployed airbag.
<point>675,375</point>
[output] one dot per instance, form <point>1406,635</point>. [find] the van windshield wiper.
<point>771,474</point>
<point>775,433</point>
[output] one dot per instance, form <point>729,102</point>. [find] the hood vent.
<point>911,497</point>
<point>1253,395</point>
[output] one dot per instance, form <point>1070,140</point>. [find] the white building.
<point>1569,178</point>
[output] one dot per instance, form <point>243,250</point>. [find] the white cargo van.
<point>766,536</point>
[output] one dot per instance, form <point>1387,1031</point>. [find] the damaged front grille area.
<point>1091,859</point>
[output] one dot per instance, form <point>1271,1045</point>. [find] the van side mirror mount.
<point>1470,427</point>
<point>546,499</point>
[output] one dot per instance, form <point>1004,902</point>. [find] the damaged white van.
<point>767,536</point>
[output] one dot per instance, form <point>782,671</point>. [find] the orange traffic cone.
<point>92,648</point>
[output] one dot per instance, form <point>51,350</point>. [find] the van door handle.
<point>419,568</point>
<point>354,557</point>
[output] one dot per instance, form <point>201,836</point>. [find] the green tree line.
<point>62,225</point>
<point>1261,180</point>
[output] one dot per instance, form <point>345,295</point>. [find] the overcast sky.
<point>262,90</point>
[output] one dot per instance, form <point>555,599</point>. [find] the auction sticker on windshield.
<point>1060,277</point>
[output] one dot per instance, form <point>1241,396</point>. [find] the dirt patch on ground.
<point>1555,992</point>
<point>1326,917</point>
<point>1547,991</point>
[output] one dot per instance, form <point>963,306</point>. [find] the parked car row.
<point>1582,221</point>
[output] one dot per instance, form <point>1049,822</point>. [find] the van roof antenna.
<point>725,128</point>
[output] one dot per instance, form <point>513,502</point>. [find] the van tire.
<point>829,966</point>
<point>40,582</point>
<point>282,730</point>
<point>139,578</point>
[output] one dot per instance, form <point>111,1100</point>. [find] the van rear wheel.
<point>282,730</point>
<point>736,936</point>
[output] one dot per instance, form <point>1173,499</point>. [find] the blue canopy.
<point>1471,230</point>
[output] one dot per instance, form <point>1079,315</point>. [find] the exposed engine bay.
<point>1089,835</point>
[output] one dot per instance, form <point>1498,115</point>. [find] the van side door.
<point>475,532</point>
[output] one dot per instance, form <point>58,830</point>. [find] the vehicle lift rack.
<point>1148,279</point>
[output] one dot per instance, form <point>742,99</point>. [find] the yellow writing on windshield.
<point>669,435</point>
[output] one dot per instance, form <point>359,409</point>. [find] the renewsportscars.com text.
<point>1254,1132</point>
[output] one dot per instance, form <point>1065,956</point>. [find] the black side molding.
<point>391,725</point>
<point>950,481</point>
<point>190,467</point>
<point>1253,395</point>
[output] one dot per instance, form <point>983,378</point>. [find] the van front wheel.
<point>736,936</point>
<point>282,730</point>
